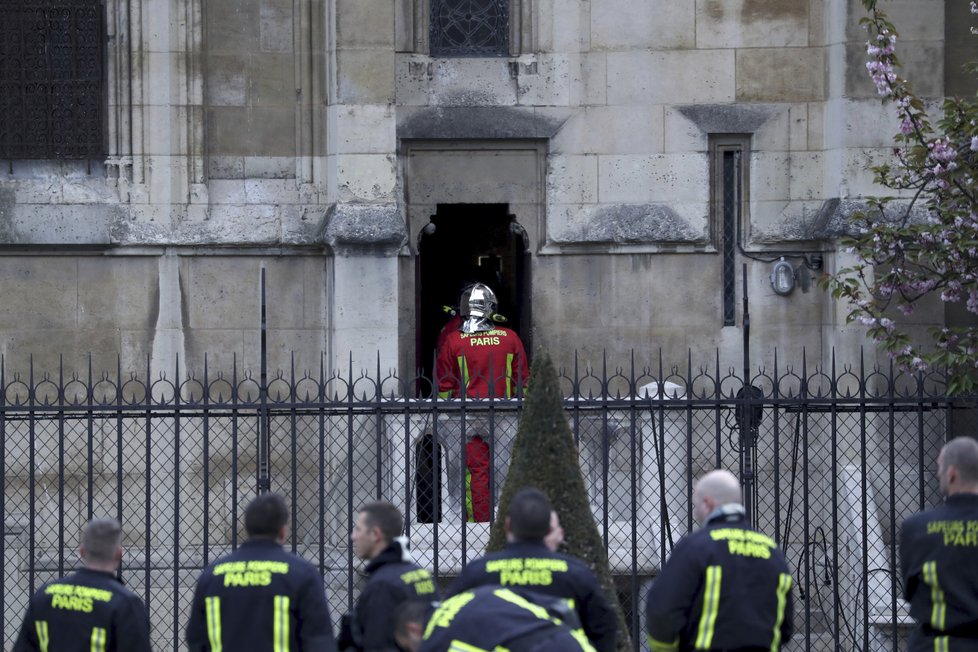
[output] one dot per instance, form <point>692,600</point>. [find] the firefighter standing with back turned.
<point>939,557</point>
<point>89,610</point>
<point>528,563</point>
<point>724,587</point>
<point>261,598</point>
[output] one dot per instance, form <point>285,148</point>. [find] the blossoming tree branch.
<point>926,241</point>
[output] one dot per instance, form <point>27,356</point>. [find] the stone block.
<point>774,134</point>
<point>272,131</point>
<point>816,126</point>
<point>461,176</point>
<point>572,179</point>
<point>362,129</point>
<point>41,292</point>
<point>472,82</point>
<point>806,176</point>
<point>117,292</point>
<point>271,80</point>
<point>922,63</point>
<point>45,190</point>
<point>224,131</point>
<point>567,30</point>
<point>412,74</point>
<point>546,80</point>
<point>780,75</point>
<point>275,27</point>
<point>163,68</point>
<point>665,178</point>
<point>680,134</point>
<point>225,167</point>
<point>365,76</point>
<point>230,191</point>
<point>365,177</point>
<point>751,23</point>
<point>60,224</point>
<point>653,25</point>
<point>677,76</point>
<point>225,80</point>
<point>365,24</point>
<point>271,191</point>
<point>233,26</point>
<point>594,73</point>
<point>269,167</point>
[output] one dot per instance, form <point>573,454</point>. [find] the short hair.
<point>529,515</point>
<point>265,516</point>
<point>100,539</point>
<point>962,454</point>
<point>410,611</point>
<point>383,515</point>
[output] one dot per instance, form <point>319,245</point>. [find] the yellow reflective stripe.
<point>509,375</point>
<point>941,644</point>
<point>711,605</point>
<point>280,628</point>
<point>41,626</point>
<point>98,639</point>
<point>938,611</point>
<point>469,507</point>
<point>784,585</point>
<point>459,646</point>
<point>662,646</point>
<point>520,601</point>
<point>212,608</point>
<point>463,368</point>
<point>582,640</point>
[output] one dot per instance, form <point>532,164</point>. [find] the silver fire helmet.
<point>477,305</point>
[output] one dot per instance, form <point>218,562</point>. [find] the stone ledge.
<point>478,123</point>
<point>355,229</point>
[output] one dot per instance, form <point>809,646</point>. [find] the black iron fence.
<point>831,459</point>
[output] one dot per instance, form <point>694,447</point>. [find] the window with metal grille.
<point>729,189</point>
<point>52,79</point>
<point>475,28</point>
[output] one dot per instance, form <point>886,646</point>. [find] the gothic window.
<point>52,79</point>
<point>728,192</point>
<point>469,28</point>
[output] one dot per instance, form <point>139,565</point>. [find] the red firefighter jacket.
<point>482,365</point>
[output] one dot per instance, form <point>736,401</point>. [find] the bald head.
<point>715,489</point>
<point>957,466</point>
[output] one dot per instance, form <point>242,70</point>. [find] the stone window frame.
<point>413,23</point>
<point>719,146</point>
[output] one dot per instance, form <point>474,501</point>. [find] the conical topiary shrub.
<point>544,456</point>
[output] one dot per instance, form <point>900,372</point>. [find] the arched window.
<point>469,28</point>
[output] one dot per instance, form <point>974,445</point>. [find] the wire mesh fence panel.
<point>830,464</point>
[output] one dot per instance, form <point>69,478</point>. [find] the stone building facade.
<point>612,166</point>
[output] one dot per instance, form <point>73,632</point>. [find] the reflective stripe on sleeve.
<point>711,605</point>
<point>212,608</point>
<point>938,611</point>
<point>41,627</point>
<point>509,375</point>
<point>784,585</point>
<point>280,629</point>
<point>98,639</point>
<point>941,644</point>
<point>459,646</point>
<point>662,646</point>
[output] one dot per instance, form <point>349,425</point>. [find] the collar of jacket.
<point>729,513</point>
<point>389,555</point>
<point>261,543</point>
<point>85,570</point>
<point>962,499</point>
<point>534,546</point>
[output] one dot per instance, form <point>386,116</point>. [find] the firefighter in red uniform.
<point>480,359</point>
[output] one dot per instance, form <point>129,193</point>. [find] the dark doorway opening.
<point>462,244</point>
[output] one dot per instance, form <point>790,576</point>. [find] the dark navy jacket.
<point>87,610</point>
<point>260,598</point>
<point>501,618</point>
<point>530,565</point>
<point>939,565</point>
<point>724,587</point>
<point>393,580</point>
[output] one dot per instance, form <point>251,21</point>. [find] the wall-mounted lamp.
<point>783,278</point>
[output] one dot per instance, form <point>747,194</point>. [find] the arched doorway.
<point>466,243</point>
